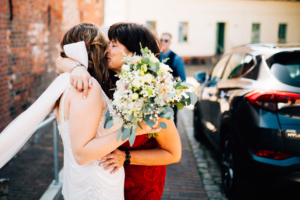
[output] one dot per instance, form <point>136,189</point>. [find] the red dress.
<point>143,182</point>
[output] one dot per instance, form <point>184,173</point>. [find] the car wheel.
<point>198,131</point>
<point>227,165</point>
<point>233,180</point>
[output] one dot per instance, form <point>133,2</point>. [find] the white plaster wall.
<point>203,15</point>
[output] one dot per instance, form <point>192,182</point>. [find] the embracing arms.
<point>168,139</point>
<point>84,118</point>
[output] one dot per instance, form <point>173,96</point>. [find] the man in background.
<point>175,62</point>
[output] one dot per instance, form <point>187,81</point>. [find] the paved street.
<point>183,179</point>
<point>32,171</point>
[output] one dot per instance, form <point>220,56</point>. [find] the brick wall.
<point>29,44</point>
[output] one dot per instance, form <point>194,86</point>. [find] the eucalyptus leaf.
<point>193,97</point>
<point>147,118</point>
<point>186,84</point>
<point>169,95</point>
<point>109,124</point>
<point>131,117</point>
<point>140,125</point>
<point>107,114</point>
<point>145,60</point>
<point>150,123</point>
<point>163,125</point>
<point>119,134</point>
<point>132,135</point>
<point>169,109</point>
<point>126,134</point>
<point>107,120</point>
<point>165,60</point>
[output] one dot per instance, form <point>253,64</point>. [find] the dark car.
<point>249,109</point>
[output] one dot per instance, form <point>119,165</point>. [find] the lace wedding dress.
<point>89,181</point>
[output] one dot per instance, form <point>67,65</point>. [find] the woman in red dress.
<point>144,162</point>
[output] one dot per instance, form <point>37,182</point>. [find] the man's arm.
<point>178,63</point>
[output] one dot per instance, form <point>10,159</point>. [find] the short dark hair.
<point>131,35</point>
<point>169,34</point>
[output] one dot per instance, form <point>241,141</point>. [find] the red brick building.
<point>30,34</point>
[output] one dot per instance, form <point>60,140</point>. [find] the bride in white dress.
<point>81,126</point>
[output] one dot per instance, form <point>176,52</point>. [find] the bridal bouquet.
<point>146,91</point>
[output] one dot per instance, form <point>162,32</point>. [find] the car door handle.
<point>210,94</point>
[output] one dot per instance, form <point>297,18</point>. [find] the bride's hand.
<point>147,129</point>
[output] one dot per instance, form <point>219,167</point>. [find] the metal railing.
<point>55,145</point>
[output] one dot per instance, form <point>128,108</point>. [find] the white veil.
<point>17,133</point>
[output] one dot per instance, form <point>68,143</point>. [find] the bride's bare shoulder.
<point>94,94</point>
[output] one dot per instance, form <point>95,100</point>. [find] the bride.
<point>81,122</point>
<point>81,125</point>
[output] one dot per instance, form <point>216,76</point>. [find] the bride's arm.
<point>84,117</point>
<point>169,153</point>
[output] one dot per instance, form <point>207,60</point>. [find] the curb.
<point>54,191</point>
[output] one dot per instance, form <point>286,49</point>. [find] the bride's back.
<point>82,120</point>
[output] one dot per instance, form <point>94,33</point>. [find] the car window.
<point>248,63</point>
<point>219,68</point>
<point>285,66</point>
<point>234,67</point>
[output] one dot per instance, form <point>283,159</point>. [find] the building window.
<point>183,31</point>
<point>255,33</point>
<point>151,25</point>
<point>282,33</point>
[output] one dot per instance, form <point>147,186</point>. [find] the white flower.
<point>148,78</point>
<point>138,82</point>
<point>164,68</point>
<point>135,96</point>
<point>153,59</point>
<point>125,68</point>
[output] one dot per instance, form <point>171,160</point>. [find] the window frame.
<point>242,75</point>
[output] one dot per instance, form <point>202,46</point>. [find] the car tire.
<point>198,129</point>
<point>234,181</point>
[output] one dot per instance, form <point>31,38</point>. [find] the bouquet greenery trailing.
<point>146,91</point>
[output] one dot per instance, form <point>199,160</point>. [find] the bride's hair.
<point>96,45</point>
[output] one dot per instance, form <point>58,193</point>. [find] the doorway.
<point>220,42</point>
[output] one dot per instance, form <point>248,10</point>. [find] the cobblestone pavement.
<point>32,172</point>
<point>183,179</point>
<point>206,158</point>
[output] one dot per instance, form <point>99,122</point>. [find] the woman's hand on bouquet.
<point>147,129</point>
<point>115,160</point>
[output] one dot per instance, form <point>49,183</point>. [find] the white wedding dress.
<point>89,181</point>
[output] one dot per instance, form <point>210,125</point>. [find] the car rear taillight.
<point>271,154</point>
<point>273,100</point>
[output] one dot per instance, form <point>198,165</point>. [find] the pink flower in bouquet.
<point>135,59</point>
<point>168,77</point>
<point>124,86</point>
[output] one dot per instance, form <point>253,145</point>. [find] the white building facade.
<point>203,28</point>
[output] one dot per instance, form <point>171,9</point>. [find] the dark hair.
<point>131,35</point>
<point>96,45</point>
<point>169,34</point>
